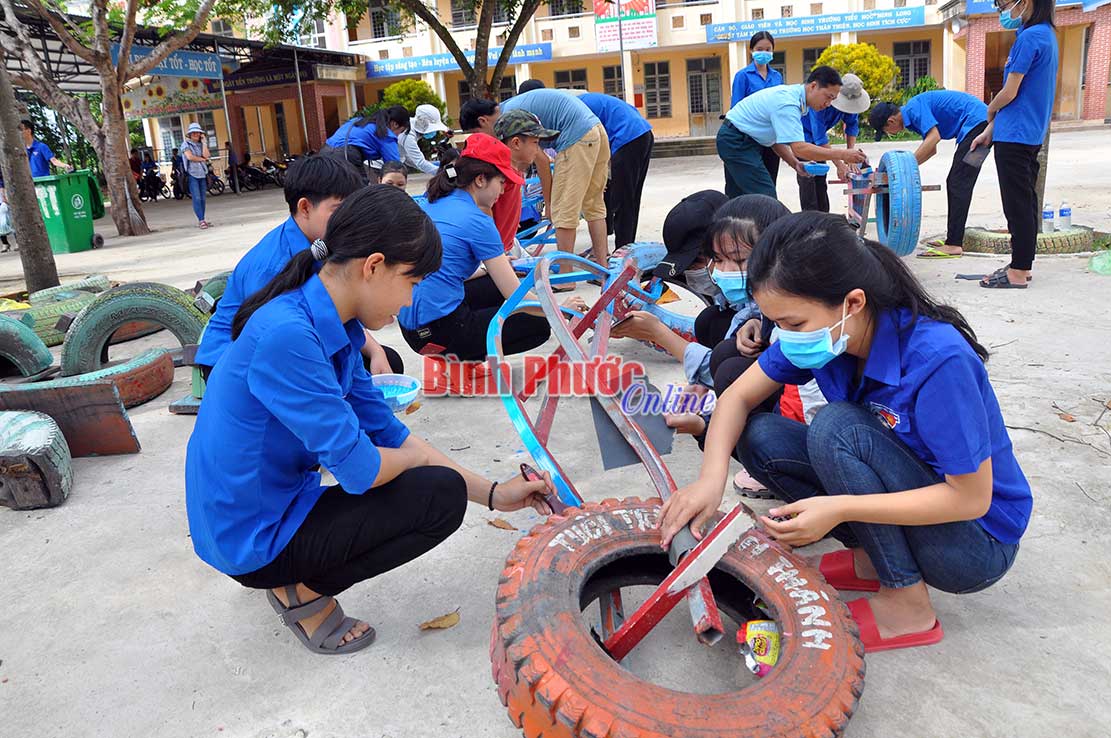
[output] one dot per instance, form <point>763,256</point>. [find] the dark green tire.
<point>92,283</point>
<point>46,316</point>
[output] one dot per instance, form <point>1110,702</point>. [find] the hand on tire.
<point>519,493</point>
<point>695,504</point>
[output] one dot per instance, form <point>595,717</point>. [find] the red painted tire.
<point>139,380</point>
<point>556,681</point>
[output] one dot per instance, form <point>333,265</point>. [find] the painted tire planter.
<point>139,380</point>
<point>899,210</point>
<point>35,468</point>
<point>1068,241</point>
<point>556,680</point>
<point>86,345</point>
<point>21,346</point>
<point>92,283</point>
<point>46,316</point>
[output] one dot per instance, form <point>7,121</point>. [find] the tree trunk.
<point>39,270</point>
<point>122,190</point>
<point>1043,165</point>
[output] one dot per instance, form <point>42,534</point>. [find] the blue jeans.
<point>198,187</point>
<point>848,451</point>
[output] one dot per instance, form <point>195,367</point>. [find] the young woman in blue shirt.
<point>1018,120</point>
<point>909,466</point>
<point>290,395</point>
<point>759,75</point>
<point>453,307</point>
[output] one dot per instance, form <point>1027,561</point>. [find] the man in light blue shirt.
<point>581,166</point>
<point>773,117</point>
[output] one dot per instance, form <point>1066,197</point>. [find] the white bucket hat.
<point>427,118</point>
<point>853,98</point>
<point>194,128</point>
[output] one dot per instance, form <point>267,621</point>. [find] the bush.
<point>922,84</point>
<point>409,93</point>
<point>876,71</point>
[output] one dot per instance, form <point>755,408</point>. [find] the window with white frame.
<point>313,34</point>
<point>657,89</point>
<point>208,123</point>
<point>462,14</point>
<point>172,134</point>
<point>557,8</point>
<point>384,22</point>
<point>222,27</point>
<point>506,90</point>
<point>613,81</point>
<point>570,79</point>
<point>913,60</point>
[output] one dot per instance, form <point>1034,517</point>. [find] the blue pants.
<point>847,451</point>
<point>745,170</point>
<point>198,187</point>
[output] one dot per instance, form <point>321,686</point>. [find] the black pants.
<point>1017,165</point>
<point>462,332</point>
<point>771,162</point>
<point>958,188</point>
<point>347,538</point>
<point>397,366</point>
<point>628,170</point>
<point>813,193</point>
<point>711,325</point>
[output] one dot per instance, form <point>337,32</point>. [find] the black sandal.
<point>999,281</point>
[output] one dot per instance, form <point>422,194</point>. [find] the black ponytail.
<point>821,257</point>
<point>377,219</point>
<point>457,174</point>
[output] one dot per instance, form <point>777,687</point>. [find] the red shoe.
<point>861,610</point>
<point>840,573</point>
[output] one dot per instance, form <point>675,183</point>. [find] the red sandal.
<point>840,573</point>
<point>861,610</point>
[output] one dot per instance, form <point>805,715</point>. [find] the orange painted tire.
<point>557,682</point>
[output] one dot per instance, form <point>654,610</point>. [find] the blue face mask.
<point>429,136</point>
<point>762,57</point>
<point>1011,23</point>
<point>733,285</point>
<point>812,349</point>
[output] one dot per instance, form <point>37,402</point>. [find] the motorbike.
<point>152,185</point>
<point>274,171</point>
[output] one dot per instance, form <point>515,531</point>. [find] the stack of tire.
<point>104,314</point>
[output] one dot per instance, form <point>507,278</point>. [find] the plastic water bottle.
<point>1047,218</point>
<point>1064,216</point>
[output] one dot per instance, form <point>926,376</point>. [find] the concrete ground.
<point>111,626</point>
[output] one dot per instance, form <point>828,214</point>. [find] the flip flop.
<point>840,573</point>
<point>746,486</point>
<point>861,610</point>
<point>932,252</point>
<point>979,277</point>
<point>326,638</point>
<point>999,281</point>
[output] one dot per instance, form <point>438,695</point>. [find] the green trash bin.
<point>69,204</point>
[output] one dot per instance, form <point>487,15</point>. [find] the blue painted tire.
<point>899,210</point>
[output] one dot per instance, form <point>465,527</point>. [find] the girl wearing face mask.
<point>909,466</point>
<point>755,77</point>
<point>1018,119</point>
<point>452,307</point>
<point>290,394</point>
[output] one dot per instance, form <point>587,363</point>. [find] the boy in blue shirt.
<point>941,115</point>
<point>846,108</point>
<point>39,154</point>
<point>314,187</point>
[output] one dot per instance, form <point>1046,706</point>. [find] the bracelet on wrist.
<point>490,499</point>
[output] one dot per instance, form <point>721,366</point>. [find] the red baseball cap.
<point>486,148</point>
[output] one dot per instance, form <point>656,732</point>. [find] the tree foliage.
<point>922,84</point>
<point>408,93</point>
<point>877,71</point>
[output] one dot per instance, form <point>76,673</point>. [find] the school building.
<point>674,60</point>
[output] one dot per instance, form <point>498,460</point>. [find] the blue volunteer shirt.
<point>469,237</point>
<point>39,156</point>
<point>927,384</point>
<point>289,394</point>
<point>748,81</point>
<point>772,116</point>
<point>954,113</point>
<point>366,140</point>
<point>257,267</point>
<point>1033,55</point>
<point>817,124</point>
<point>623,122</point>
<point>558,110</point>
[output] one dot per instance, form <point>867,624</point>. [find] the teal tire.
<point>45,316</point>
<point>22,347</point>
<point>35,463</point>
<point>92,283</point>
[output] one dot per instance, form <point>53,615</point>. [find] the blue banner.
<point>177,64</point>
<point>522,54</point>
<point>814,25</point>
<point>987,7</point>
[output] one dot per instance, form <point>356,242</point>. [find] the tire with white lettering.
<point>899,210</point>
<point>85,349</point>
<point>556,680</point>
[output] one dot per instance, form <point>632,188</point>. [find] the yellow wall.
<point>958,68</point>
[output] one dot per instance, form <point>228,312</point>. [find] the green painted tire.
<point>92,283</point>
<point>208,296</point>
<point>1069,241</point>
<point>22,347</point>
<point>86,345</point>
<point>46,316</point>
<point>35,463</point>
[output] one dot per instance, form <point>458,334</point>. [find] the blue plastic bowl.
<point>399,389</point>
<point>817,168</point>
